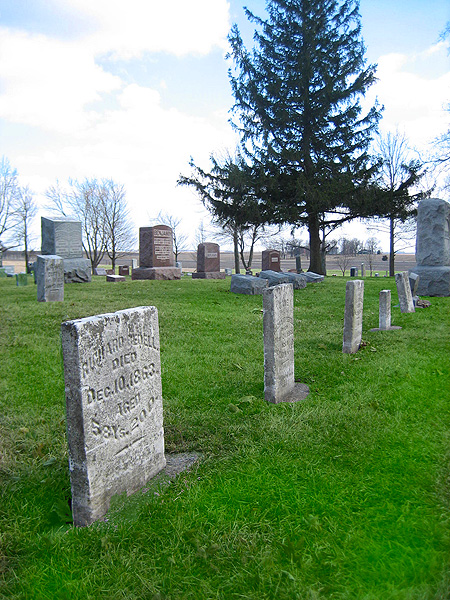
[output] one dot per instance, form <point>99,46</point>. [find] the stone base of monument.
<point>77,270</point>
<point>434,281</point>
<point>210,275</point>
<point>391,328</point>
<point>115,278</point>
<point>166,273</point>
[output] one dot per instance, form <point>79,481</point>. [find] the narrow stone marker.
<point>404,292</point>
<point>385,313</point>
<point>278,323</point>
<point>354,300</point>
<point>49,273</point>
<point>114,409</point>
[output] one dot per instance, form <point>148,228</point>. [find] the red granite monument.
<point>271,260</point>
<point>208,262</point>
<point>156,259</point>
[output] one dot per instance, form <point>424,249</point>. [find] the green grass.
<point>343,496</point>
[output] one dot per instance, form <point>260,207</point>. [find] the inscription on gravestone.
<point>278,323</point>
<point>50,278</point>
<point>208,262</point>
<point>156,259</point>
<point>112,374</point>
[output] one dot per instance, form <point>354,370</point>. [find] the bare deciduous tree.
<point>119,233</point>
<point>23,212</point>
<point>179,239</point>
<point>9,192</point>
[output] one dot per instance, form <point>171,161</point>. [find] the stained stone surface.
<point>247,284</point>
<point>61,237</point>
<point>354,300</point>
<point>363,270</point>
<point>114,408</point>
<point>433,248</point>
<point>414,280</point>
<point>278,323</point>
<point>404,292</point>
<point>50,278</point>
<point>313,277</point>
<point>163,273</point>
<point>270,260</point>
<point>298,280</point>
<point>208,258</point>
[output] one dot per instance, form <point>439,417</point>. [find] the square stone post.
<point>404,292</point>
<point>354,300</point>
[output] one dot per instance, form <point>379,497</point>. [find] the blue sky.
<point>131,89</point>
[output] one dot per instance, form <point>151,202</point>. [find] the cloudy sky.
<point>131,89</point>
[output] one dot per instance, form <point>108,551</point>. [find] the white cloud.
<point>128,29</point>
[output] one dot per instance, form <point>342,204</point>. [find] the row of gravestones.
<point>112,371</point>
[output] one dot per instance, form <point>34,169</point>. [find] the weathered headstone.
<point>274,277</point>
<point>246,284</point>
<point>49,272</point>
<point>156,258</point>
<point>278,323</point>
<point>433,247</point>
<point>363,270</point>
<point>115,278</point>
<point>61,237</point>
<point>404,292</point>
<point>413,283</point>
<point>270,260</point>
<point>208,262</point>
<point>114,408</point>
<point>100,271</point>
<point>385,313</point>
<point>354,300</point>
<point>21,279</point>
<point>124,270</point>
<point>313,277</point>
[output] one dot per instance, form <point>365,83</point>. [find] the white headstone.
<point>114,406</point>
<point>404,292</point>
<point>278,322</point>
<point>385,313</point>
<point>354,300</point>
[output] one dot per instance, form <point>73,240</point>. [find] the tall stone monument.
<point>270,260</point>
<point>61,237</point>
<point>156,258</point>
<point>49,272</point>
<point>354,300</point>
<point>278,324</point>
<point>208,262</point>
<point>433,247</point>
<point>112,373</point>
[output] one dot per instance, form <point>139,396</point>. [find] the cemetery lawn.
<point>343,496</point>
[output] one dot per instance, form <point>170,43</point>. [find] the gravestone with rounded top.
<point>270,260</point>
<point>433,247</point>
<point>112,373</point>
<point>208,262</point>
<point>156,258</point>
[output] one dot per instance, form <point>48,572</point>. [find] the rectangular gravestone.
<point>100,271</point>
<point>63,238</point>
<point>114,408</point>
<point>21,279</point>
<point>404,292</point>
<point>354,300</point>
<point>124,270</point>
<point>363,270</point>
<point>278,324</point>
<point>156,258</point>
<point>208,262</point>
<point>270,260</point>
<point>384,319</point>
<point>50,278</point>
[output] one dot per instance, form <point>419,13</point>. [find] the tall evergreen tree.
<point>298,107</point>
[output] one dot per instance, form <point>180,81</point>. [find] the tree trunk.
<point>237,269</point>
<point>315,259</point>
<point>391,248</point>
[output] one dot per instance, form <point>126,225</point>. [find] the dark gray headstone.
<point>313,277</point>
<point>274,277</point>
<point>246,284</point>
<point>50,278</point>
